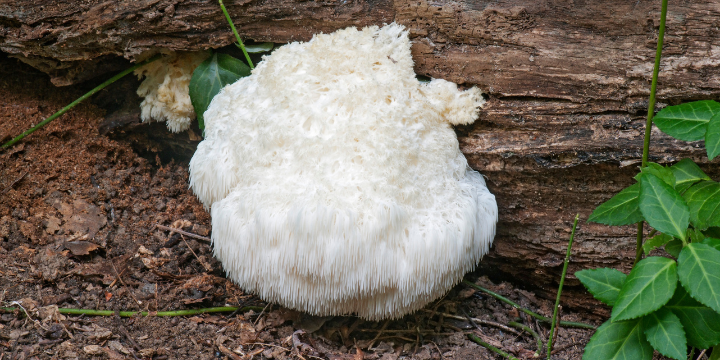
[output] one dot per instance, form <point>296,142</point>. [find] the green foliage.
<point>604,283</point>
<point>662,206</point>
<point>703,201</point>
<point>699,272</point>
<point>712,137</point>
<point>649,286</point>
<point>211,76</point>
<point>701,323</point>
<point>686,174</point>
<point>656,242</point>
<point>620,340</point>
<point>621,209</point>
<point>687,121</point>
<point>665,174</point>
<point>673,247</point>
<point>665,333</point>
<point>712,242</point>
<point>258,48</point>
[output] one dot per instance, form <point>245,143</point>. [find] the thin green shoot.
<point>237,36</point>
<point>562,281</point>
<point>78,100</point>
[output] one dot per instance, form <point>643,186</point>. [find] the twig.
<point>372,342</point>
<point>490,347</point>
<point>7,188</point>
<point>531,313</point>
<point>481,321</point>
<point>79,100</point>
<point>237,36</point>
<point>92,312</point>
<point>125,333</point>
<point>261,314</point>
<point>227,352</point>
<point>540,344</point>
<point>207,268</point>
<point>181,232</point>
<point>562,281</point>
<point>123,284</point>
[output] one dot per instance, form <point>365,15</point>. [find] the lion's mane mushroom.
<point>335,181</point>
<point>166,89</point>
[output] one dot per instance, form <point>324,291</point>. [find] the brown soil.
<point>77,230</point>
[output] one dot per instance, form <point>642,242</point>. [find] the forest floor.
<point>79,216</point>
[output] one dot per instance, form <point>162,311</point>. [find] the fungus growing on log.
<point>335,181</point>
<point>165,89</point>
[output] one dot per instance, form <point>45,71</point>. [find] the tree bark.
<point>567,84</point>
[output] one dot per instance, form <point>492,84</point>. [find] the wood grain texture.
<point>567,83</point>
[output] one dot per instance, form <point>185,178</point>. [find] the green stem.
<point>529,312</point>
<point>650,114</point>
<point>562,281</point>
<point>540,345</point>
<point>491,348</point>
<point>237,36</point>
<point>92,312</point>
<point>77,101</point>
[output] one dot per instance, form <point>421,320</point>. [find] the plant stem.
<point>562,281</point>
<point>78,100</point>
<point>540,345</point>
<point>531,313</point>
<point>92,312</point>
<point>491,348</point>
<point>650,114</point>
<point>237,36</point>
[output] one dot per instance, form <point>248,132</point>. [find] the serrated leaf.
<point>713,242</point>
<point>603,283</point>
<point>665,174</point>
<point>701,323</point>
<point>211,76</point>
<point>650,284</point>
<point>662,207</point>
<point>665,333</point>
<point>621,340</point>
<point>656,242</point>
<point>674,247</point>
<point>687,121</point>
<point>257,48</point>
<point>712,137</point>
<point>687,173</point>
<point>699,273</point>
<point>703,200</point>
<point>621,209</point>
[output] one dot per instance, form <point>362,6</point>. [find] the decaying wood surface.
<point>567,83</point>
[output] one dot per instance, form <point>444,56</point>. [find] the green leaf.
<point>665,174</point>
<point>603,283</point>
<point>699,273</point>
<point>687,173</point>
<point>621,209</point>
<point>687,121</point>
<point>712,137</point>
<point>695,235</point>
<point>662,206</point>
<point>650,284</point>
<point>665,333</point>
<point>211,76</point>
<point>701,323</point>
<point>674,247</point>
<point>715,243</point>
<point>257,48</point>
<point>621,340</point>
<point>656,242</point>
<point>715,353</point>
<point>703,200</point>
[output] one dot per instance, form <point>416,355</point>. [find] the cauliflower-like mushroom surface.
<point>335,181</point>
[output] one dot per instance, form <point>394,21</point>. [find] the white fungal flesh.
<point>336,182</point>
<point>166,89</point>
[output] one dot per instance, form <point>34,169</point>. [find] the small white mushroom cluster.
<point>166,89</point>
<point>335,181</point>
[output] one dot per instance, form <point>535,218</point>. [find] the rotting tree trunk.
<point>567,84</point>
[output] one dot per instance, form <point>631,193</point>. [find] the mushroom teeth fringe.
<point>335,181</point>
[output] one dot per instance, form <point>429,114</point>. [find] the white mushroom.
<point>335,181</point>
<point>166,89</point>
